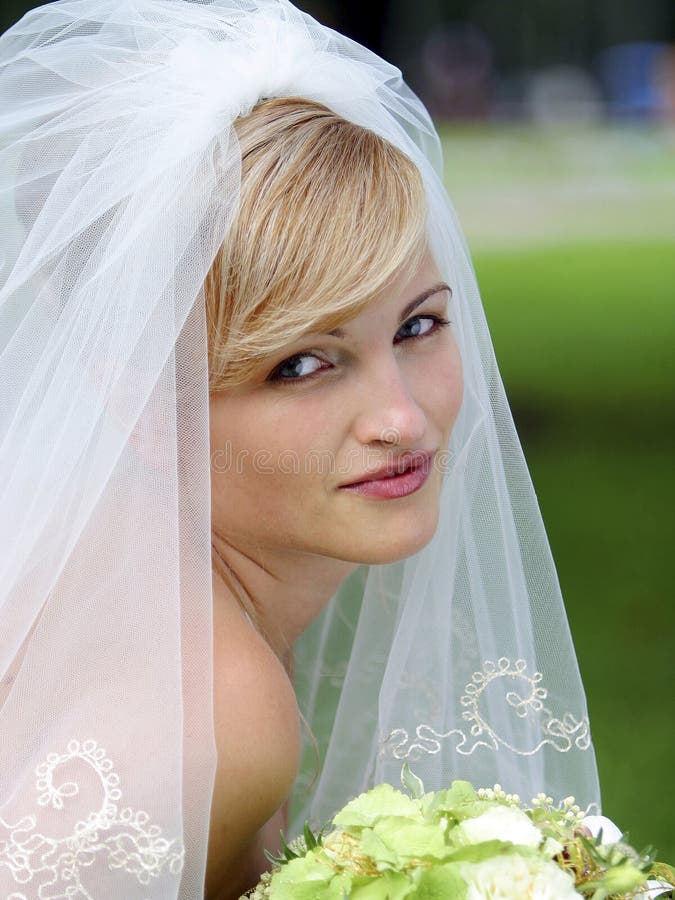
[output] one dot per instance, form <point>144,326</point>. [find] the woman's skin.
<point>289,524</point>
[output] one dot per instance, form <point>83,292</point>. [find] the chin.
<point>395,544</point>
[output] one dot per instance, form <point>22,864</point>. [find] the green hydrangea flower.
<point>454,844</point>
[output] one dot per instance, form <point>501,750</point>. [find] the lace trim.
<point>125,838</point>
<point>526,699</point>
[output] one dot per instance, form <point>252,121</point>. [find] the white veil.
<point>119,174</point>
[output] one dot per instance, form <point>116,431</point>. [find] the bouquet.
<point>461,844</point>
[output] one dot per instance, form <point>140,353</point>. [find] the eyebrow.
<point>411,307</point>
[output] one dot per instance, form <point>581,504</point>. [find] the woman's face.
<point>302,454</point>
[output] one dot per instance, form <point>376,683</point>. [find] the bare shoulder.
<point>258,742</point>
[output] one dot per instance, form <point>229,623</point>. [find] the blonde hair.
<point>329,214</point>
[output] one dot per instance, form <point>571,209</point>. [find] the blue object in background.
<point>628,75</point>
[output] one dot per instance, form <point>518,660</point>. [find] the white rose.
<point>516,877</point>
<point>502,823</point>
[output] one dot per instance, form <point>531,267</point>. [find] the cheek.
<point>258,454</point>
<point>445,389</point>
<point>455,388</point>
<point>256,432</point>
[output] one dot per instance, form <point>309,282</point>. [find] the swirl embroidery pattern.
<point>526,699</point>
<point>120,836</point>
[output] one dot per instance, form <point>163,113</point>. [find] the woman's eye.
<point>297,367</point>
<point>419,326</point>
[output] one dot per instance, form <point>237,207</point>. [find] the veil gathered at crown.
<point>119,176</point>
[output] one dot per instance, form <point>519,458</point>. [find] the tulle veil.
<point>119,175</point>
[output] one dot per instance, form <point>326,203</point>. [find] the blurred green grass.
<point>585,336</point>
<point>572,232</point>
<point>586,330</point>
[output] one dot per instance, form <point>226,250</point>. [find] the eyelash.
<point>438,323</point>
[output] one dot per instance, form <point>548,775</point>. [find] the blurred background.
<point>558,124</point>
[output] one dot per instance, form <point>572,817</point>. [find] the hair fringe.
<point>330,213</point>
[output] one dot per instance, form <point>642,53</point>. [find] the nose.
<point>388,411</point>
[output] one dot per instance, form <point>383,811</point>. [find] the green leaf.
<point>378,803</point>
<point>312,841</point>
<point>621,879</point>
<point>287,853</point>
<point>460,793</point>
<point>412,840</point>
<point>411,782</point>
<point>441,883</point>
<point>377,849</point>
<point>457,802</point>
<point>303,878</point>
<point>475,853</point>
<point>389,886</point>
<point>340,888</point>
<point>286,850</point>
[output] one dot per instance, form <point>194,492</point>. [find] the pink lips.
<point>404,476</point>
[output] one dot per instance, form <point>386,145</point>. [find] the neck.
<point>281,591</point>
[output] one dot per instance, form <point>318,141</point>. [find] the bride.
<point>355,387</point>
<point>267,529</point>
